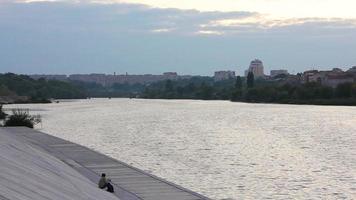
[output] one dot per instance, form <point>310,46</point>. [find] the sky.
<point>187,36</point>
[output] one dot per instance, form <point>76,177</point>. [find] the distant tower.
<point>256,67</point>
<point>114,73</point>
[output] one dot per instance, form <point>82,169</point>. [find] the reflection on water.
<point>221,149</point>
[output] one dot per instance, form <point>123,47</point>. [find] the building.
<point>334,80</point>
<point>94,78</point>
<point>49,77</point>
<point>352,70</point>
<point>170,75</point>
<point>224,75</point>
<point>308,76</point>
<point>275,73</point>
<point>108,80</point>
<point>293,79</point>
<point>330,78</point>
<point>256,67</point>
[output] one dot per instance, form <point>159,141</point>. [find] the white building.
<point>256,67</point>
<point>224,75</point>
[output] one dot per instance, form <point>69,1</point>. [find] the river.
<point>221,149</point>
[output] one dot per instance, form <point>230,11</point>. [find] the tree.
<point>4,91</point>
<point>168,87</point>
<point>344,90</point>
<point>250,80</point>
<point>205,91</point>
<point>237,93</point>
<point>353,90</point>
<point>326,92</point>
<point>238,83</point>
<point>38,90</point>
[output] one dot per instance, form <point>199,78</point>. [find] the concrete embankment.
<point>30,172</point>
<point>35,165</point>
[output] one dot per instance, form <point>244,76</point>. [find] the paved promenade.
<point>130,183</point>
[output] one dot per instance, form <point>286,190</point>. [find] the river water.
<point>221,149</point>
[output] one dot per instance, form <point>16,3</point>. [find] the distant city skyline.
<point>152,37</point>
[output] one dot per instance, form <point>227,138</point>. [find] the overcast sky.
<point>187,36</point>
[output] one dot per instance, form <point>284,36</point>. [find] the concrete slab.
<point>129,182</point>
<point>29,172</point>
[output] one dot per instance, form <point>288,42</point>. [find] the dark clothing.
<point>110,188</point>
<point>102,183</point>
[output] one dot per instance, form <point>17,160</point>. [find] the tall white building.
<point>256,67</point>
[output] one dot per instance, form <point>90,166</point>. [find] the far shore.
<point>315,102</point>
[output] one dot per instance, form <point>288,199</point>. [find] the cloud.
<point>278,27</point>
<point>88,15</point>
<point>117,17</point>
<point>280,8</point>
<point>82,36</point>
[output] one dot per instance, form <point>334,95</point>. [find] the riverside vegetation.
<point>240,89</point>
<point>23,89</point>
<point>251,90</point>
<point>19,117</point>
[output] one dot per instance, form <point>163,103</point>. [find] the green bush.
<point>2,114</point>
<point>22,117</point>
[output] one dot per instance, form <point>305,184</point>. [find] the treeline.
<point>115,90</point>
<point>23,89</point>
<point>240,89</point>
<point>251,90</point>
<point>310,93</point>
<point>194,88</point>
<point>12,85</point>
<point>281,92</point>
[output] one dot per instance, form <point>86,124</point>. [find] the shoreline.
<point>317,102</point>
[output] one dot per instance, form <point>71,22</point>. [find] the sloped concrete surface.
<point>28,172</point>
<point>130,183</point>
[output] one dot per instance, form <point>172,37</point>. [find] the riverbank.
<point>76,166</point>
<point>21,100</point>
<point>320,102</point>
<point>28,171</point>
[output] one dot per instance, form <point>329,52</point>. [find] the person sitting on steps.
<point>102,182</point>
<point>110,188</point>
